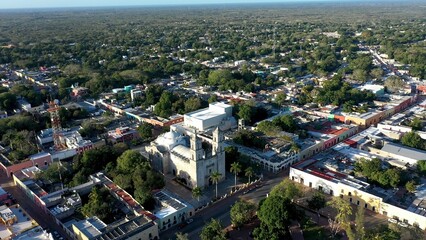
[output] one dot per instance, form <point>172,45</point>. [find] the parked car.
<point>189,221</point>
<point>402,224</point>
<point>392,220</point>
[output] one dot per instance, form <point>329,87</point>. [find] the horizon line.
<point>209,3</point>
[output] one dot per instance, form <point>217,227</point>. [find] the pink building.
<point>39,159</point>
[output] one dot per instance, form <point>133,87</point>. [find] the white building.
<point>170,210</point>
<point>194,150</point>
<point>135,93</point>
<point>217,114</point>
<point>330,171</point>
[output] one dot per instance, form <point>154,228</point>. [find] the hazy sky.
<point>90,3</point>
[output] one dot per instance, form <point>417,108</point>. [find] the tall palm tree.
<point>235,168</point>
<point>249,173</point>
<point>197,192</point>
<point>215,177</point>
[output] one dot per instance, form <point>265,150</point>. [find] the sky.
<point>7,4</point>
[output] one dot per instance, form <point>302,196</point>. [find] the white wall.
<point>317,182</point>
<point>403,215</point>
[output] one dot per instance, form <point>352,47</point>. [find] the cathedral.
<point>193,150</point>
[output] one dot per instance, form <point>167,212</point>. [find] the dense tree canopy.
<point>242,212</point>
<point>275,214</point>
<point>212,231</point>
<point>413,139</point>
<point>374,171</point>
<point>100,204</point>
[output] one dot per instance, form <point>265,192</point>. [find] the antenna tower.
<point>56,123</point>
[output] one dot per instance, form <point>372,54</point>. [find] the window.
<point>365,205</point>
<point>310,184</point>
<point>357,203</point>
<point>350,200</point>
<point>374,209</point>
<point>342,191</point>
<point>350,194</point>
<point>302,180</point>
<point>320,188</point>
<point>292,178</point>
<point>331,192</point>
<point>341,195</point>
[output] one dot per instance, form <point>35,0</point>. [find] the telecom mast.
<point>56,123</point>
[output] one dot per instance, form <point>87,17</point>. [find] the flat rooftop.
<point>36,233</point>
<point>331,165</point>
<point>169,204</point>
<point>205,114</point>
<point>91,227</point>
<point>404,151</point>
<point>24,222</point>
<point>124,230</point>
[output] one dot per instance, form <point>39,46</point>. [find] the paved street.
<point>220,210</point>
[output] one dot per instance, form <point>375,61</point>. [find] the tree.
<point>212,98</point>
<point>235,168</point>
<point>412,139</point>
<point>197,192</point>
<point>362,62</point>
<point>344,211</point>
<point>124,181</point>
<point>212,231</point>
<point>145,198</point>
<point>127,162</point>
<point>242,212</point>
<point>421,167</point>
<point>394,84</point>
<point>164,106</point>
<point>181,236</point>
<point>359,223</point>
<point>286,122</point>
<point>192,104</point>
<point>360,75</point>
<point>376,73</point>
<point>416,124</point>
<point>249,173</point>
<point>215,177</point>
<point>410,186</point>
<point>97,204</point>
<point>382,232</point>
<point>219,77</point>
<point>275,213</point>
<point>280,98</point>
<point>119,148</point>
<point>246,112</point>
<point>8,101</point>
<point>286,189</point>
<point>145,131</point>
<point>269,128</point>
<point>316,202</point>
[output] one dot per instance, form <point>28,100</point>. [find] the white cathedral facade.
<point>193,150</point>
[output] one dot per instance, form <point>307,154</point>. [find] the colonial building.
<point>192,151</point>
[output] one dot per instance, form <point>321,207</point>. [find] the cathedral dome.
<point>168,139</point>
